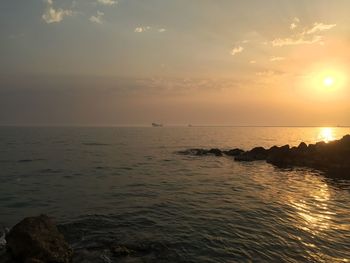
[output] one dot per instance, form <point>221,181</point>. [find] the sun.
<point>324,81</point>
<point>328,81</point>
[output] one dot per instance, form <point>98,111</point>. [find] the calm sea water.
<point>128,186</point>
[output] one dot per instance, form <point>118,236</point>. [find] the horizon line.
<point>167,126</point>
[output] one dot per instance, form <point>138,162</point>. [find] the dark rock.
<point>191,152</point>
<point>280,156</point>
<point>302,147</point>
<point>34,260</point>
<point>332,158</point>
<point>256,154</point>
<point>119,251</point>
<point>202,152</point>
<point>233,152</point>
<point>216,152</point>
<point>37,239</point>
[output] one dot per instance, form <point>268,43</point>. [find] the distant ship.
<point>157,125</point>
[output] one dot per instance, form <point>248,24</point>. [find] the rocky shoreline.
<point>332,158</point>
<point>39,240</point>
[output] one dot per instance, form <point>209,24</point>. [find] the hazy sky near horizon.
<point>204,62</point>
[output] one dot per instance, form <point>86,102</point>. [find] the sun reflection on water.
<point>314,213</point>
<point>311,212</point>
<point>326,135</point>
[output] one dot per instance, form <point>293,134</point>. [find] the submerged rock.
<point>119,250</point>
<point>37,239</point>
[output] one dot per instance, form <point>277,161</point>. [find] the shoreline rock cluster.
<point>39,240</point>
<point>332,158</point>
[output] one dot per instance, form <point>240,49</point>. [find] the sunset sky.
<point>204,62</point>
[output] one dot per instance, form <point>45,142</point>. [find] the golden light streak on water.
<point>326,134</point>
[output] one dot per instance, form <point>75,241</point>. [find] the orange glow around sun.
<point>324,82</point>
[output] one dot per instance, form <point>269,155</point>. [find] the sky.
<point>177,62</point>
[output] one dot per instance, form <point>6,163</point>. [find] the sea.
<point>129,187</point>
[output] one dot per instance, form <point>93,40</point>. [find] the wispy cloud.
<point>280,42</point>
<point>275,59</point>
<point>107,2</point>
<point>52,15</point>
<point>97,18</point>
<point>295,23</point>
<point>319,27</point>
<point>237,50</point>
<point>307,35</point>
<point>141,29</point>
<point>266,73</point>
<point>252,62</point>
<point>270,73</point>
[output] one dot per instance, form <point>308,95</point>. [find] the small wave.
<point>95,144</point>
<point>101,168</point>
<point>30,160</point>
<point>25,161</point>
<point>125,168</point>
<point>49,170</point>
<point>3,233</point>
<point>18,205</point>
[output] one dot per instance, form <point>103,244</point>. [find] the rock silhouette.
<point>213,151</point>
<point>37,239</point>
<point>332,158</point>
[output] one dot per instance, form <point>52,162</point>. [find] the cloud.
<point>275,59</point>
<point>52,15</point>
<point>107,2</point>
<point>237,50</point>
<point>319,27</point>
<point>141,29</point>
<point>293,26</point>
<point>252,62</point>
<point>97,18</point>
<point>295,23</point>
<point>308,35</point>
<point>269,73</point>
<point>280,42</point>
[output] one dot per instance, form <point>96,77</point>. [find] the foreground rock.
<point>332,158</point>
<point>37,239</point>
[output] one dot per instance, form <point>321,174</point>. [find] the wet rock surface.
<point>37,239</point>
<point>332,158</point>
